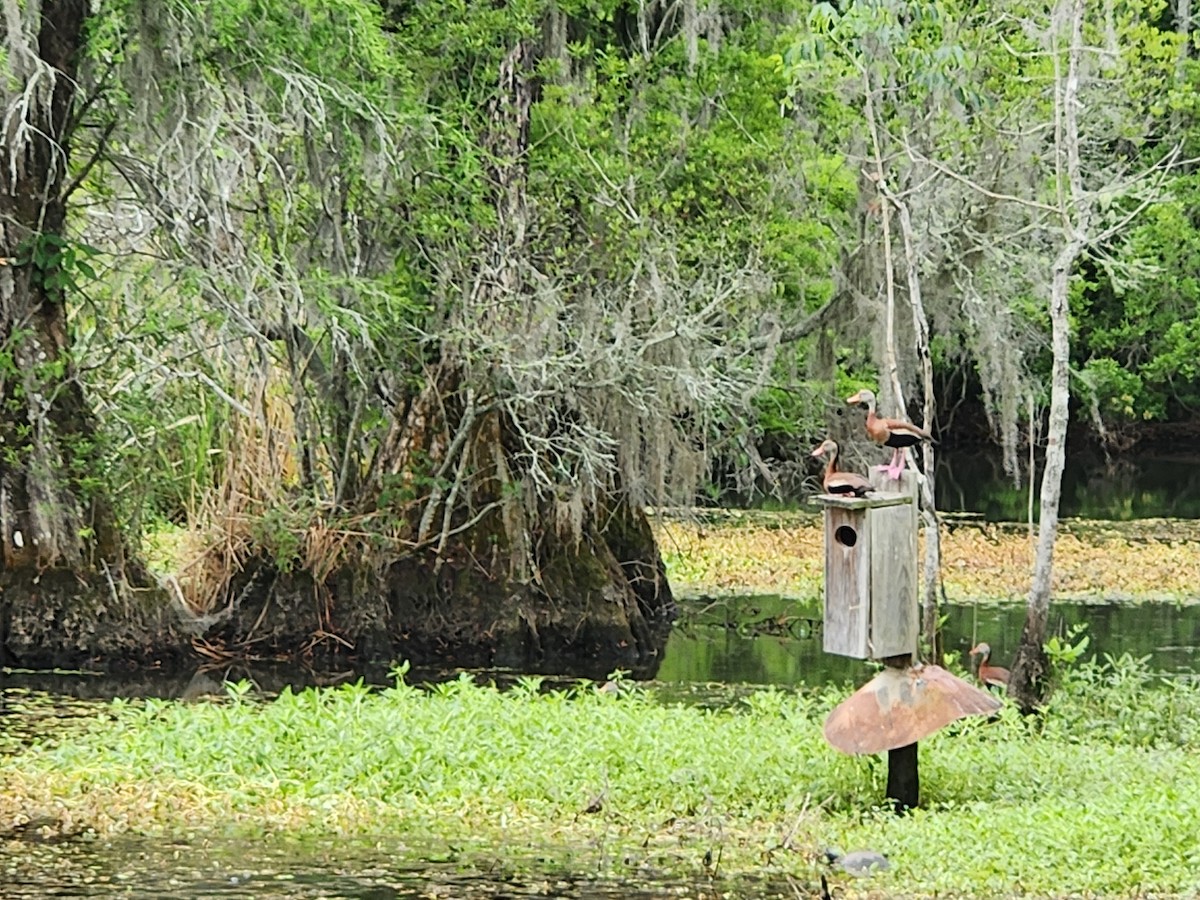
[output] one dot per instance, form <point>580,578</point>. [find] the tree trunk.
<point>1027,683</point>
<point>1183,27</point>
<point>889,200</point>
<point>481,572</point>
<point>63,565</point>
<point>933,544</point>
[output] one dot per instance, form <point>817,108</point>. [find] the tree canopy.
<point>350,275</point>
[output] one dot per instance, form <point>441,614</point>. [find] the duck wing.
<point>847,483</point>
<point>898,427</point>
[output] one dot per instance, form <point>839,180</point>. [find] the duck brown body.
<point>837,481</point>
<point>894,433</point>
<point>989,676</point>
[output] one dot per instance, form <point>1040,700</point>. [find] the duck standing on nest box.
<point>837,481</point>
<point>894,433</point>
<point>989,676</point>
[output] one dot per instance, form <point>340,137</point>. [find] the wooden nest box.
<point>871,570</point>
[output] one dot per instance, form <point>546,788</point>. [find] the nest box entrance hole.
<point>845,535</point>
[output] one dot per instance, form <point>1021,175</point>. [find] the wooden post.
<point>903,781</point>
<point>896,567</point>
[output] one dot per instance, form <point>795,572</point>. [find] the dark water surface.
<point>767,640</point>
<point>757,640</point>
<point>1150,484</point>
<point>373,870</point>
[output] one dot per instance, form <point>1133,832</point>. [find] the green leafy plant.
<point>1106,772</point>
<point>59,262</point>
<point>1068,649</point>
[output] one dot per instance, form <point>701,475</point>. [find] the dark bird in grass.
<point>894,433</point>
<point>989,676</point>
<point>837,481</point>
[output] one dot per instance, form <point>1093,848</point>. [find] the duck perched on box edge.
<point>894,433</point>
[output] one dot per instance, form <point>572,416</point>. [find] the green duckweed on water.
<point>1097,797</point>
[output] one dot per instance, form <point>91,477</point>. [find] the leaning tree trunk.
<point>62,576</point>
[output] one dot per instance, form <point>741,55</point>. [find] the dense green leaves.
<point>1138,323</point>
<point>328,194</point>
<point>1097,795</point>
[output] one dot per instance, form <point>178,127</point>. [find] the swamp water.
<point>767,640</point>
<point>718,652</point>
<point>1156,483</point>
<point>381,869</point>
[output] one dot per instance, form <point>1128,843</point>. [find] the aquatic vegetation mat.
<point>1098,796</point>
<point>783,553</point>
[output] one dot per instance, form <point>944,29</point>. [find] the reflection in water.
<point>740,641</point>
<point>752,640</point>
<point>287,870</point>
<point>1150,485</point>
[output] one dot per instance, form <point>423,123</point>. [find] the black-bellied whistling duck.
<point>836,481</point>
<point>989,676</point>
<point>894,433</point>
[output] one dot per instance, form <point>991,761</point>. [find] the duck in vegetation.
<point>837,481</point>
<point>894,433</point>
<point>989,676</point>
<point>858,862</point>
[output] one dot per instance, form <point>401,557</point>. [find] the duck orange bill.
<point>899,707</point>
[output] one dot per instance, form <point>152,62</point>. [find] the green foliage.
<point>1095,796</point>
<point>1139,341</point>
<point>59,263</point>
<point>1121,394</point>
<point>1124,703</point>
<point>305,35</point>
<point>279,531</point>
<point>1065,650</point>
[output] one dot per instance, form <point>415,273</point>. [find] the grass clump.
<point>1078,801</point>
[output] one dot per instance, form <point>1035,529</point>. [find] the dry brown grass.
<point>256,509</point>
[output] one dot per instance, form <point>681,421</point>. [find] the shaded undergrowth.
<point>1096,795</point>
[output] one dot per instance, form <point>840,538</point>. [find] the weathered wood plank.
<point>875,502</point>
<point>847,582</point>
<point>893,539</point>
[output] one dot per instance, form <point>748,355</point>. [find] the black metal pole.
<point>903,781</point>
